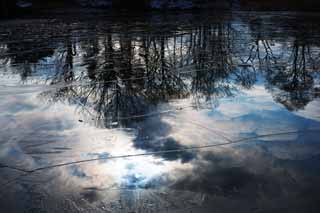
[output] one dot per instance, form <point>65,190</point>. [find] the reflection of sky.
<point>35,133</point>
<point>41,134</point>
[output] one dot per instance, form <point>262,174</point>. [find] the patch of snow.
<point>95,3</point>
<point>157,4</point>
<point>181,4</point>
<point>171,4</point>
<point>24,4</point>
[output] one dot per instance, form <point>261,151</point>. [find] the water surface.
<point>163,113</point>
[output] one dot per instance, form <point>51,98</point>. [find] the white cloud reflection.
<point>36,134</point>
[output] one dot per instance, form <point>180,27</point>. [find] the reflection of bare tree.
<point>214,58</point>
<point>296,81</point>
<point>120,76</point>
<point>26,54</point>
<point>126,74</point>
<point>290,72</point>
<point>137,73</point>
<point>64,73</point>
<point>130,75</point>
<point>213,63</point>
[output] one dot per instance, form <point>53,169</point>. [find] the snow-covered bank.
<point>160,4</point>
<point>95,3</point>
<point>180,4</point>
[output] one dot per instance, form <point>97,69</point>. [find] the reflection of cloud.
<point>91,195</point>
<point>165,145</point>
<point>306,167</point>
<point>256,99</point>
<point>14,104</point>
<point>99,155</point>
<point>134,181</point>
<point>223,180</point>
<point>243,170</point>
<point>303,146</point>
<point>249,114</point>
<point>153,136</point>
<point>40,130</point>
<point>231,180</point>
<point>219,173</point>
<point>77,172</point>
<point>311,111</point>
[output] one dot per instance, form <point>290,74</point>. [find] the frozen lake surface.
<point>161,113</point>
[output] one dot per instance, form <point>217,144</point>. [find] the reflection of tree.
<point>136,74</point>
<point>123,80</point>
<point>126,74</point>
<point>289,72</point>
<point>213,62</point>
<point>296,81</point>
<point>117,75</point>
<point>27,54</point>
<point>153,135</point>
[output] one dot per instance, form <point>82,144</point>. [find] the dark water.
<point>180,113</point>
